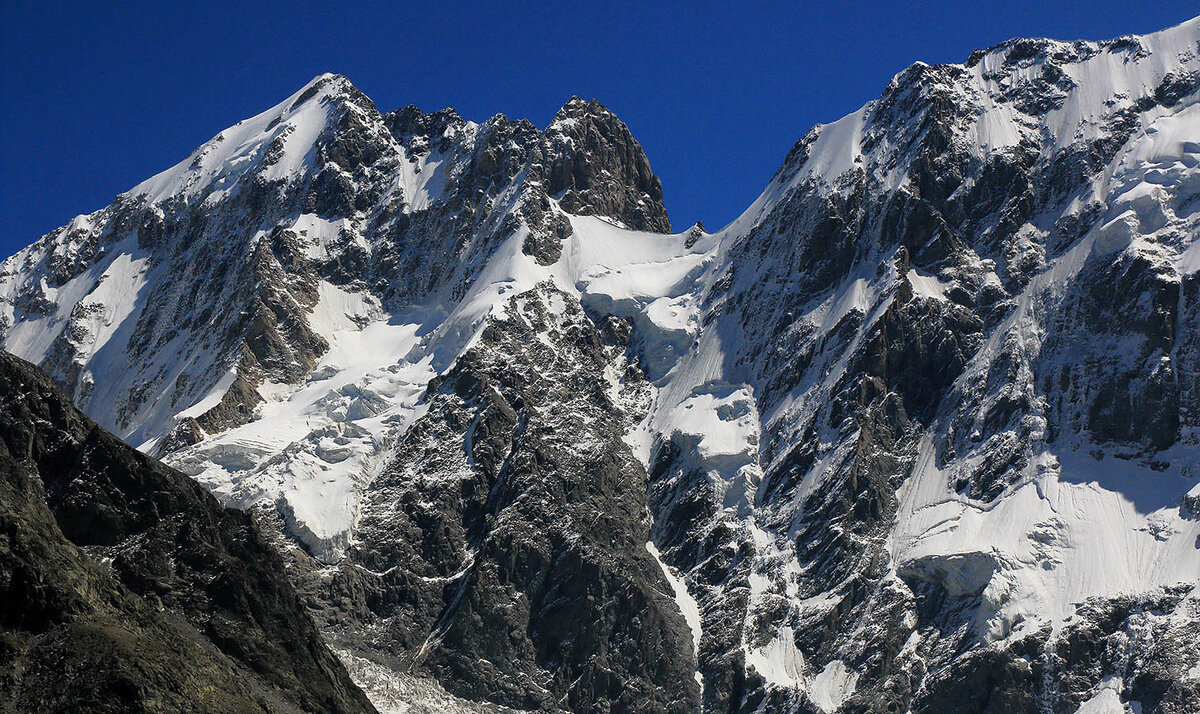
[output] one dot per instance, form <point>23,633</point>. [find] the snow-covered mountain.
<point>919,430</point>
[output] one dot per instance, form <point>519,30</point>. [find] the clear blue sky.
<point>97,98</point>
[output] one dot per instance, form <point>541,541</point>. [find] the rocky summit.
<point>919,431</point>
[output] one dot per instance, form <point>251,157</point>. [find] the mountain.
<point>918,431</point>
<point>129,588</point>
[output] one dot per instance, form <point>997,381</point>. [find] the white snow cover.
<point>1079,527</point>
<point>226,158</point>
<point>317,445</point>
<point>107,294</point>
<point>687,604</point>
<point>833,686</point>
<point>1100,78</point>
<point>780,662</point>
<point>1084,521</point>
<point>927,285</point>
<point>1108,700</point>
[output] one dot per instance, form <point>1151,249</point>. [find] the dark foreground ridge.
<point>126,587</point>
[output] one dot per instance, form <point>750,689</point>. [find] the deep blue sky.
<point>96,99</point>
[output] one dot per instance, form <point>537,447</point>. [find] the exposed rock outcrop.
<point>129,588</point>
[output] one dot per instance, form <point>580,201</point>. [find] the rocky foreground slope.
<point>126,587</point>
<point>918,431</point>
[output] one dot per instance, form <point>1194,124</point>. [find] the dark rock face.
<point>75,639</point>
<point>504,549</point>
<point>191,608</point>
<point>870,373</point>
<point>1114,651</point>
<point>597,167</point>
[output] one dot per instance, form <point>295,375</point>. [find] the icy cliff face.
<point>918,429</point>
<point>964,321</point>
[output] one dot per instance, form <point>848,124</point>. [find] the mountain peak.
<point>960,324</point>
<point>274,145</point>
<point>334,86</point>
<point>597,167</point>
<point>577,109</point>
<point>411,121</point>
